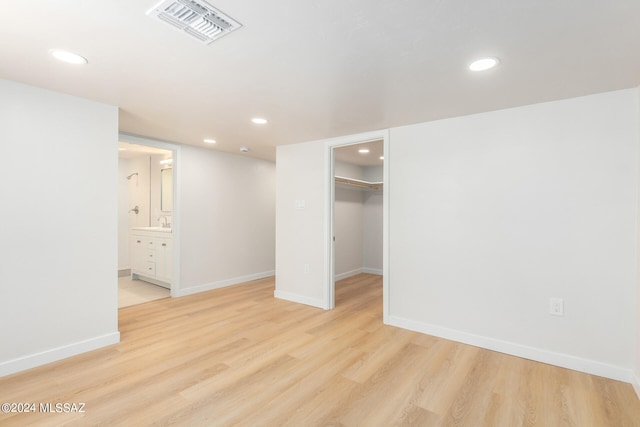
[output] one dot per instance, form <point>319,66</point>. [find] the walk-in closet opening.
<point>358,220</point>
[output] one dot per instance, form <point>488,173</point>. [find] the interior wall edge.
<point>636,379</point>
<point>636,383</point>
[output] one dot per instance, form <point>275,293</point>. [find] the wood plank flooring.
<point>239,357</point>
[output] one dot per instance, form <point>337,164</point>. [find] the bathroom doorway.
<point>146,217</point>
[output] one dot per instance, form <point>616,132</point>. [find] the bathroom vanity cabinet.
<point>151,255</point>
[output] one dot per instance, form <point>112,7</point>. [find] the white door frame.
<point>331,144</point>
<point>175,214</point>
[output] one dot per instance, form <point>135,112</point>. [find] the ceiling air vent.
<point>198,19</point>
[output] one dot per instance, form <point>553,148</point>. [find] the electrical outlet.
<point>556,306</point>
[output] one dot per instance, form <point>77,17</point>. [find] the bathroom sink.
<point>162,229</point>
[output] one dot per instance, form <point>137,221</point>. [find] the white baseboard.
<point>358,271</point>
<point>31,361</point>
<point>301,299</point>
<point>636,383</point>
<point>221,284</point>
<point>348,274</point>
<point>557,359</point>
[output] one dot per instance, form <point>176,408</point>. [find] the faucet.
<point>165,221</point>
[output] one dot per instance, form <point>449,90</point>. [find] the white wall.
<point>373,225</point>
<point>348,225</point>
<point>58,285</point>
<point>373,222</point>
<point>227,207</point>
<point>373,173</point>
<point>349,231</point>
<point>301,235</point>
<point>347,170</point>
<point>493,214</point>
<point>490,216</point>
<point>139,188</point>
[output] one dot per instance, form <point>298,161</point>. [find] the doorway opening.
<point>146,220</point>
<point>358,214</point>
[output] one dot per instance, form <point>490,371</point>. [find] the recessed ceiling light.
<point>244,149</point>
<point>259,121</point>
<point>68,57</point>
<point>381,157</point>
<point>483,64</point>
<point>210,141</point>
<point>363,150</point>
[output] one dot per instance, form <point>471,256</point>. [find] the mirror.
<point>166,190</point>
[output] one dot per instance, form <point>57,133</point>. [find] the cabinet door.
<point>164,261</point>
<point>136,253</point>
<point>151,268</point>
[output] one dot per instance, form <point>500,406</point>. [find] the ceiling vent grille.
<point>198,19</point>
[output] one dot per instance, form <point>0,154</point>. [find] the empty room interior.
<point>416,213</point>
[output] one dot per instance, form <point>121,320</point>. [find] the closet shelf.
<point>358,183</point>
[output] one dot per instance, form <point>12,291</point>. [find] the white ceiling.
<point>130,151</point>
<point>350,154</point>
<point>319,69</point>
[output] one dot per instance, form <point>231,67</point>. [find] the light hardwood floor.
<point>237,356</point>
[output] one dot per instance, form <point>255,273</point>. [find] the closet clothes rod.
<point>358,183</point>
